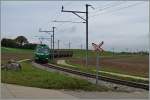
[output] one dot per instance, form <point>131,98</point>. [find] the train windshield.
<point>42,50</point>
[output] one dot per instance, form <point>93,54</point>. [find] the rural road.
<point>15,92</point>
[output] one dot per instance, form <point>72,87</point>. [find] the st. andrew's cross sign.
<point>97,48</point>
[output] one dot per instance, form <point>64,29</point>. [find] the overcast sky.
<point>121,25</point>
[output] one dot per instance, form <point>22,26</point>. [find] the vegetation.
<point>77,53</point>
<point>90,69</point>
<point>16,54</point>
<point>19,42</point>
<point>34,77</point>
<point>19,54</point>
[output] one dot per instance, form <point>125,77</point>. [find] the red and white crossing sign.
<point>97,47</point>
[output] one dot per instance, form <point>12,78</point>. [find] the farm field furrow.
<point>134,65</point>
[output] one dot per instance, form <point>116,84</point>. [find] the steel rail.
<point>100,77</point>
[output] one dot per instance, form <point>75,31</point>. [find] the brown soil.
<point>5,57</point>
<point>134,65</point>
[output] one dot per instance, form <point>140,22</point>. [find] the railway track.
<point>104,78</point>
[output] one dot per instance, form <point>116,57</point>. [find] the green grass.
<point>77,53</point>
<point>34,77</point>
<point>15,50</point>
<point>11,53</point>
<point>16,54</point>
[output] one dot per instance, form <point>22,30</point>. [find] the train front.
<point>42,53</point>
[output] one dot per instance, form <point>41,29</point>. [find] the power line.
<point>85,19</point>
<point>56,15</point>
<point>129,6</point>
<point>119,9</point>
<point>67,21</point>
<point>110,6</point>
<point>53,30</point>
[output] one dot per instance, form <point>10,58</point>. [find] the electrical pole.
<point>51,41</point>
<point>58,44</point>
<point>41,38</point>
<point>40,41</point>
<point>58,48</point>
<point>86,35</point>
<point>69,44</point>
<point>52,37</point>
<point>113,51</point>
<point>81,46</point>
<point>86,21</point>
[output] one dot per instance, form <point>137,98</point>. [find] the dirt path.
<point>15,92</point>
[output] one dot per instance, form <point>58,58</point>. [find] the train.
<point>43,53</point>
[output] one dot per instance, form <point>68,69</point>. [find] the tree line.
<point>18,42</point>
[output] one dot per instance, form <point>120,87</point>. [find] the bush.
<point>13,44</point>
<point>29,46</point>
<point>8,43</point>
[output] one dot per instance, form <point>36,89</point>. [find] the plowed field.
<point>132,65</point>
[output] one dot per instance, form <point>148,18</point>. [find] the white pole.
<point>97,65</point>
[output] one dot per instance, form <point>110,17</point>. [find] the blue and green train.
<point>43,53</point>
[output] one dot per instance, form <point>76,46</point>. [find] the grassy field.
<point>131,65</point>
<point>16,54</point>
<point>136,65</point>
<point>34,77</point>
<point>91,69</point>
<point>77,53</point>
<point>81,53</point>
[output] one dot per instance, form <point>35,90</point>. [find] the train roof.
<point>42,45</point>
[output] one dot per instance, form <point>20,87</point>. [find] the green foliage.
<point>21,40</point>
<point>8,42</point>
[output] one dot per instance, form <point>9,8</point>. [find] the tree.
<point>8,43</point>
<point>21,40</point>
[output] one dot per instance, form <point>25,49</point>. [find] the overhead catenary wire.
<point>108,6</point>
<point>117,3</point>
<point>56,15</point>
<point>118,9</point>
<point>66,21</point>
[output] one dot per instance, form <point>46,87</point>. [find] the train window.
<point>44,50</point>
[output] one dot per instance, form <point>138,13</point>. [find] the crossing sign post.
<point>98,49</point>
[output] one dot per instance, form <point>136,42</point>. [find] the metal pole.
<point>53,42</point>
<point>87,34</point>
<point>81,46</point>
<point>69,45</point>
<point>58,44</point>
<point>86,21</point>
<point>82,58</point>
<point>51,45</point>
<point>97,65</point>
<point>58,48</point>
<point>113,52</point>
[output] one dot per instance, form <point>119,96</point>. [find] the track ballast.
<point>100,77</point>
